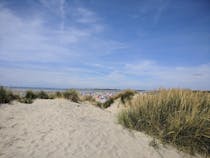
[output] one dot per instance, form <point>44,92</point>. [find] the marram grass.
<point>175,116</point>
<point>124,96</point>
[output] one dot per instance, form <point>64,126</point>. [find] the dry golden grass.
<point>72,95</point>
<point>88,98</point>
<point>125,95</point>
<point>6,96</point>
<point>179,117</point>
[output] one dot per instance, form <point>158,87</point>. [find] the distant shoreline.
<point>63,89</point>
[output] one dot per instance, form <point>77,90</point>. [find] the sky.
<point>138,44</point>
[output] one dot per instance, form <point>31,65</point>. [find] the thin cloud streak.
<point>62,13</point>
<point>128,76</point>
<point>21,37</point>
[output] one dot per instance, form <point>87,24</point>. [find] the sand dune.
<point>60,129</point>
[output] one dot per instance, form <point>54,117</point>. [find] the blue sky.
<point>140,44</point>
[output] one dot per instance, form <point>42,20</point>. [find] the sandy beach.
<point>59,128</point>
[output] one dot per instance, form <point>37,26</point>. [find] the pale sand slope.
<point>62,129</point>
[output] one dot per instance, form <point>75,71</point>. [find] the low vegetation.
<point>178,117</point>
<point>6,96</point>
<point>43,95</point>
<point>71,95</point>
<point>108,103</point>
<point>25,100</point>
<point>98,104</point>
<point>30,95</point>
<point>58,94</point>
<point>88,98</point>
<point>125,95</point>
<point>28,98</point>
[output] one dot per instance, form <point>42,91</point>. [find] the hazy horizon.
<point>117,44</point>
<point>90,88</point>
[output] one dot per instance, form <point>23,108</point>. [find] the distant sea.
<point>85,90</point>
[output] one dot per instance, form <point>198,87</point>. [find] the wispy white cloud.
<point>171,76</point>
<point>160,9</point>
<point>145,74</point>
<point>154,8</point>
<point>85,16</point>
<point>34,40</point>
<point>62,13</point>
<point>56,7</point>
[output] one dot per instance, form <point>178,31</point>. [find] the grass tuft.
<point>58,94</point>
<point>26,100</point>
<point>175,116</point>
<point>30,95</point>
<point>6,96</point>
<point>71,95</point>
<point>88,98</point>
<point>98,104</point>
<point>125,95</point>
<point>108,103</point>
<point>43,95</point>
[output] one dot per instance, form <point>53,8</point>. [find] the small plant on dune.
<point>88,98</point>
<point>154,143</point>
<point>6,96</point>
<point>179,117</point>
<point>71,95</point>
<point>51,96</point>
<point>26,100</point>
<point>108,103</point>
<point>58,94</point>
<point>125,95</point>
<point>98,104</point>
<point>30,95</point>
<point>42,95</point>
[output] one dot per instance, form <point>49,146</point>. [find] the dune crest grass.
<point>28,98</point>
<point>71,95</point>
<point>175,116</point>
<point>88,98</point>
<point>6,96</point>
<point>43,95</point>
<point>124,96</point>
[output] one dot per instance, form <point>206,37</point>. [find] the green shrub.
<point>6,96</point>
<point>51,96</point>
<point>125,95</point>
<point>30,95</point>
<point>42,95</point>
<point>71,95</point>
<point>58,94</point>
<point>88,98</point>
<point>26,100</point>
<point>108,103</point>
<point>179,117</point>
<point>98,104</point>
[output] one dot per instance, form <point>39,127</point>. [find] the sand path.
<point>60,129</point>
